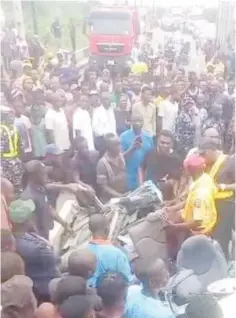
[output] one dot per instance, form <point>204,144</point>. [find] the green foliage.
<point>45,13</point>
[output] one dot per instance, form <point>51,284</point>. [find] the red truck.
<point>112,34</point>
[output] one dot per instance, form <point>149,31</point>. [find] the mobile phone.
<point>139,139</point>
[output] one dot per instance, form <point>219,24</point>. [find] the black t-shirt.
<point>86,168</point>
<point>159,166</point>
<point>44,219</point>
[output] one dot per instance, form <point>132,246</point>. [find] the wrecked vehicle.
<point>135,220</point>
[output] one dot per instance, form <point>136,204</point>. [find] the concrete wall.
<point>225,25</point>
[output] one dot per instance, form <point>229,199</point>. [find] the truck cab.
<point>112,33</point>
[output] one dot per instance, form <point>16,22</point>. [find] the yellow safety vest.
<point>139,68</point>
<point>201,197</point>
<point>13,142</point>
<point>213,172</point>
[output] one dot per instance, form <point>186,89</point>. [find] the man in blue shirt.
<point>143,301</point>
<point>136,144</point>
<point>109,257</point>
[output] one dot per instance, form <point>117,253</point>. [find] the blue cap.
<point>52,149</point>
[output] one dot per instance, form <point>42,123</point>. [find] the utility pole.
<point>33,11</point>
<point>153,13</point>
<point>225,24</point>
<point>18,17</point>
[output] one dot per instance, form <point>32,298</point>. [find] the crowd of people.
<point>102,134</point>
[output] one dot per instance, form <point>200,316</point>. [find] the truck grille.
<point>110,48</point>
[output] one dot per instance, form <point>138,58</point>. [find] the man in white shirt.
<point>24,126</point>
<point>103,121</point>
<point>135,53</point>
<point>82,123</point>
<point>56,122</point>
<point>168,111</point>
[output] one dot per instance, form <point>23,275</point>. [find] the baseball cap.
<point>194,162</point>
<point>52,149</point>
<point>21,211</point>
<point>17,297</point>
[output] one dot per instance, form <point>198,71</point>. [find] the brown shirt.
<point>112,172</point>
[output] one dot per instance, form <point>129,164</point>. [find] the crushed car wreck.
<point>136,218</point>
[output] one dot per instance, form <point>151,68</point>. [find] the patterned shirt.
<point>185,131</point>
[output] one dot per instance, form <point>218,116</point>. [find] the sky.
<point>181,3</point>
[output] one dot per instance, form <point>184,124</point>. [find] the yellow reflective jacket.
<point>200,205</point>
<point>13,139</point>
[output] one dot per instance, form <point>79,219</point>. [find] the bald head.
<point>211,133</point>
<point>35,171</point>
<point>136,121</point>
<point>7,189</point>
<point>46,310</point>
<point>98,225</point>
<point>155,273</point>
<point>17,66</point>
<point>33,166</point>
<point>82,263</point>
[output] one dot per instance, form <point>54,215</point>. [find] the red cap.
<point>193,163</point>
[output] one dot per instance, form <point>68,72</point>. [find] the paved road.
<point>197,61</point>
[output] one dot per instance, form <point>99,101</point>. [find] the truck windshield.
<point>111,26</point>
